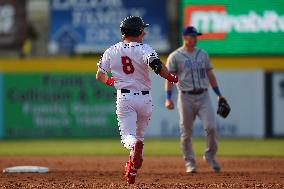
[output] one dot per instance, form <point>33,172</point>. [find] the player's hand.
<point>169,104</point>
<point>110,81</point>
<point>172,78</point>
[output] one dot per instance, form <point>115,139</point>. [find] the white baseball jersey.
<point>128,63</point>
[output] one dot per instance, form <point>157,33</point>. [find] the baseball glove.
<point>223,108</point>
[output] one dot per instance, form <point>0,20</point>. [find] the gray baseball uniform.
<point>193,98</point>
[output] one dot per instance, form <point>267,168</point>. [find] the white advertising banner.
<point>244,91</point>
<point>278,103</point>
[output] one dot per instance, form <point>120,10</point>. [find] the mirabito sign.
<point>237,27</point>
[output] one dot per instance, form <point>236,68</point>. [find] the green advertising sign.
<point>237,27</point>
<point>57,105</point>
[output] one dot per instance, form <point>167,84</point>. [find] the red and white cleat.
<point>130,172</point>
<point>138,155</point>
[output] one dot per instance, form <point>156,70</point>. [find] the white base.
<point>26,169</point>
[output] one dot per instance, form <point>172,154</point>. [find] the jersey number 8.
<point>127,65</point>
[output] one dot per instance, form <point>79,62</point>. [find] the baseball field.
<point>99,163</point>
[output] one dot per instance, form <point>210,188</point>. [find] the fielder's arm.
<point>213,82</point>
<point>223,106</point>
<point>168,86</point>
<point>169,102</point>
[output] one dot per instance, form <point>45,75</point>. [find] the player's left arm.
<point>152,59</point>
<point>223,108</point>
<point>211,76</point>
<point>213,82</point>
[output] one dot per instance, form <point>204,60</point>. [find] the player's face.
<point>190,40</point>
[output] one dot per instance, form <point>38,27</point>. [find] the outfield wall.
<point>244,92</point>
<point>277,104</point>
<point>60,97</point>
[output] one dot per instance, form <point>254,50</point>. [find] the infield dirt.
<point>157,172</point>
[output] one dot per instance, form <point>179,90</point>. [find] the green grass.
<point>156,147</point>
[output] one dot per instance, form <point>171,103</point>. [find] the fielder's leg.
<point>208,119</point>
<point>187,116</point>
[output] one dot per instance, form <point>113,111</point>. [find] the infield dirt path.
<point>157,172</point>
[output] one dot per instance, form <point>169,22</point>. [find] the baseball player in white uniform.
<point>194,69</point>
<point>129,63</point>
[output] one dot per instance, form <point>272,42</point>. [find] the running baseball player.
<point>193,67</point>
<point>128,61</point>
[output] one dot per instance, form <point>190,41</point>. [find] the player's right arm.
<point>103,69</point>
<point>169,102</point>
<point>102,77</point>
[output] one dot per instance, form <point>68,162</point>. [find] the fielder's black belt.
<point>195,92</point>
<point>135,93</point>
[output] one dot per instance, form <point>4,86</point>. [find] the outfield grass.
<point>157,147</point>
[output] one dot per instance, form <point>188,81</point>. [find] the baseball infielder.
<point>193,67</point>
<point>129,63</point>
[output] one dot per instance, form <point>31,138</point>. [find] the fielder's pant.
<point>133,114</point>
<point>189,107</point>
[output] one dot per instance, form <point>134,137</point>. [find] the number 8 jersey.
<point>128,63</point>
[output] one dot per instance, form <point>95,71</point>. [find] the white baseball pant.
<point>133,111</point>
